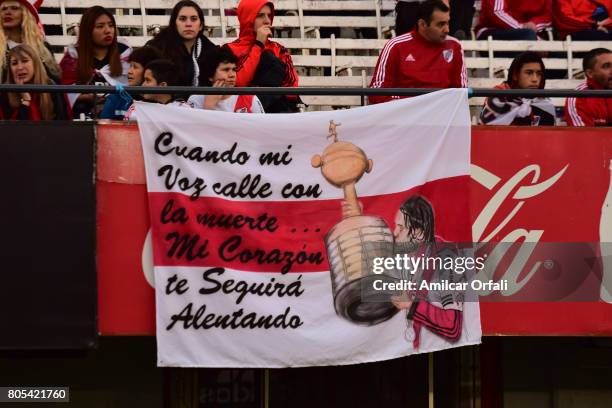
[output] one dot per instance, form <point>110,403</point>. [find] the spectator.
<point>514,19</point>
<point>262,62</point>
<point>20,24</point>
<point>423,58</point>
<point>597,65</point>
<point>526,72</point>
<point>117,104</point>
<point>220,72</point>
<point>161,73</point>
<point>26,67</point>
<point>184,43</point>
<point>585,20</point>
<point>97,58</point>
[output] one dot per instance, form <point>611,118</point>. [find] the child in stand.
<point>160,73</point>
<point>117,104</point>
<point>219,71</point>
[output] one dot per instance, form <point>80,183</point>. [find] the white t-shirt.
<point>227,105</point>
<point>131,112</point>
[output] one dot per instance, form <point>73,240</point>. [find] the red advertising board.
<point>544,186</point>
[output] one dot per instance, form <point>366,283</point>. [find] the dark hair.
<point>168,39</point>
<point>588,62</point>
<point>427,8</point>
<point>214,57</point>
<point>144,55</point>
<point>418,213</point>
<point>163,70</point>
<point>171,44</point>
<point>86,46</point>
<point>517,64</point>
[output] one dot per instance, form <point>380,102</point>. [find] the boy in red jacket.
<point>426,57</point>
<point>584,20</point>
<point>597,65</point>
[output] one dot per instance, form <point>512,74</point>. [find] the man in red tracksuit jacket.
<point>584,20</point>
<point>425,57</point>
<point>597,66</point>
<point>514,19</point>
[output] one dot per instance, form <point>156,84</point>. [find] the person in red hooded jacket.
<point>262,62</point>
<point>585,20</point>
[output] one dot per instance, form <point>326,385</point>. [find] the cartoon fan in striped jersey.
<point>441,312</point>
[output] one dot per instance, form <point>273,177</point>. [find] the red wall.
<point>548,185</point>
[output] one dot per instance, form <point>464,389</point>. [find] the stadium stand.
<point>300,24</point>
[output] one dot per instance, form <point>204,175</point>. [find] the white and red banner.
<point>263,226</point>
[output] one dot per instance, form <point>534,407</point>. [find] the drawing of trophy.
<point>356,240</point>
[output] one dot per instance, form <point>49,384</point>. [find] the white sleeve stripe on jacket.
<point>571,106</point>
<point>380,75</point>
<point>464,79</point>
<point>573,111</point>
<point>501,13</point>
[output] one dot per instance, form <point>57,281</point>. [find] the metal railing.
<point>191,90</point>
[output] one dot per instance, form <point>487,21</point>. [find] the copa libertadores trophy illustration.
<point>356,240</point>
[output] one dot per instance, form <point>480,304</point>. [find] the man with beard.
<point>426,57</point>
<point>597,65</point>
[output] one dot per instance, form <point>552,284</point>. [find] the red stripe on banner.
<point>283,236</point>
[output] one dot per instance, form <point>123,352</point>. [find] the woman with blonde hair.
<point>26,67</point>
<point>20,24</point>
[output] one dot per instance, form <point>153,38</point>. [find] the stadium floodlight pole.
<point>191,90</point>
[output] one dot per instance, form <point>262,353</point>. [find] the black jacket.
<point>178,54</point>
<point>271,73</point>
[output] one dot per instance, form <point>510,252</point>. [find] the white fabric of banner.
<point>421,141</point>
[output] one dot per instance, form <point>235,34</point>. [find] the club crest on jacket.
<point>448,55</point>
